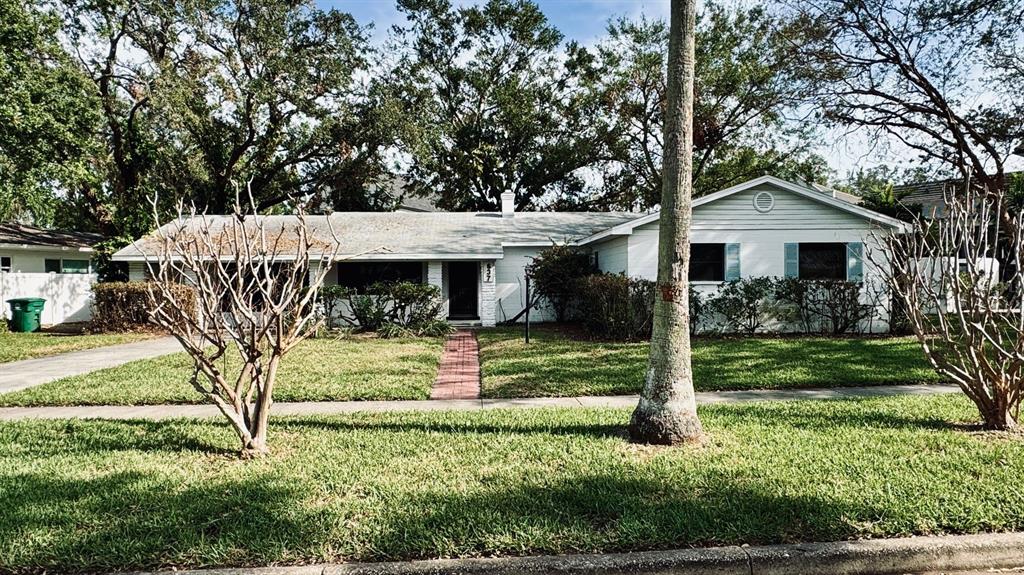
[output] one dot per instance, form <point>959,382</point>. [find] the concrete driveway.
<point>31,372</point>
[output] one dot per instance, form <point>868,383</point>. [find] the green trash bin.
<point>25,312</point>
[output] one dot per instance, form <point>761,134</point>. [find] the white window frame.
<point>88,266</point>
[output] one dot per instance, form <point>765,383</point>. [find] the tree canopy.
<point>109,103</point>
<point>495,108</point>
<point>747,92</point>
<point>941,78</point>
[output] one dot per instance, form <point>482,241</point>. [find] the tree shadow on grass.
<point>340,425</point>
<point>813,415</point>
<point>144,520</point>
<point>139,517</point>
<point>136,520</point>
<point>112,435</point>
<point>610,512</point>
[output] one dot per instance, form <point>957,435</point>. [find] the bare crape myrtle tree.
<point>969,324</point>
<point>256,282</point>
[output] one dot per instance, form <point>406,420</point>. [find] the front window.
<point>823,261</point>
<point>62,266</point>
<point>74,266</point>
<point>361,275</point>
<point>707,262</point>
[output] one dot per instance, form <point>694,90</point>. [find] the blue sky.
<point>581,20</point>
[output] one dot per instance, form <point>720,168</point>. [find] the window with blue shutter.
<point>792,260</point>
<point>732,262</point>
<point>854,262</point>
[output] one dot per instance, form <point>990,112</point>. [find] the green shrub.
<point>792,298</point>
<point>125,306</point>
<point>556,273</point>
<point>698,309</point>
<point>745,304</point>
<point>616,307</point>
<point>331,299</point>
<point>398,309</point>
<point>832,307</point>
<point>837,306</point>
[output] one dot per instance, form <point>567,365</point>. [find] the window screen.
<point>51,266</point>
<point>360,275</point>
<point>707,262</point>
<point>823,261</point>
<point>74,266</point>
<point>5,263</point>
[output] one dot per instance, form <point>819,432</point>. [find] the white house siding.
<point>613,256</point>
<point>68,296</point>
<point>33,261</point>
<point>510,286</point>
<point>762,237</point>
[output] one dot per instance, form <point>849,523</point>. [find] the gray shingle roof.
<point>12,233</point>
<point>421,235</point>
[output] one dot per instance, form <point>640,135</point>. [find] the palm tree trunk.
<point>667,412</point>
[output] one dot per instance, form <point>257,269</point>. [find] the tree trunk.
<point>667,412</point>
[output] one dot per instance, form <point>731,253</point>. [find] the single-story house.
<point>763,227</point>
<point>55,265</point>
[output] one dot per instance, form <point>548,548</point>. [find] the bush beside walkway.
<point>122,495</point>
<point>558,364</point>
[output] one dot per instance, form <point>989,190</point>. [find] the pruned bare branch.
<point>970,325</point>
<point>256,289</point>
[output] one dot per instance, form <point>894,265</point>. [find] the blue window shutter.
<point>732,262</point>
<point>854,261</point>
<point>792,260</point>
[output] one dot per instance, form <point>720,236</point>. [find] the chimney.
<point>508,204</point>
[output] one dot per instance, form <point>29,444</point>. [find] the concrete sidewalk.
<point>338,407</point>
<point>32,372</point>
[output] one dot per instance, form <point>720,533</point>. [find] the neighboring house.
<point>931,195</point>
<point>764,227</point>
<point>50,264</point>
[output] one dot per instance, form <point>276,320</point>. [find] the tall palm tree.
<point>667,412</point>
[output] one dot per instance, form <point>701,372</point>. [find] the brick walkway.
<point>459,374</point>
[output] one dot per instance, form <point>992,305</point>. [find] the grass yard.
<point>323,369</point>
<point>555,364</point>
<point>19,346</point>
<point>120,495</point>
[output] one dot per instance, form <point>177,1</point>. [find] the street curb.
<point>869,557</point>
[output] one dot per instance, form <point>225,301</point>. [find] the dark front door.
<point>462,285</point>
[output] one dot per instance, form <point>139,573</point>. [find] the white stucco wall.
<point>68,296</point>
<point>34,260</point>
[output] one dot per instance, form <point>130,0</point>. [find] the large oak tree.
<point>495,109</point>
<point>747,109</point>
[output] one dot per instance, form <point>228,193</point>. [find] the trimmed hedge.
<point>616,307</point>
<point>125,306</point>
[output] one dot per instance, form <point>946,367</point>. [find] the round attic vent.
<point>764,202</point>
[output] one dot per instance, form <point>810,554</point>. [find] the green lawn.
<point>119,495</point>
<point>556,365</point>
<point>323,369</point>
<point>18,346</point>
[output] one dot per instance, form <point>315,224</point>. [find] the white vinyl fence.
<point>68,296</point>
